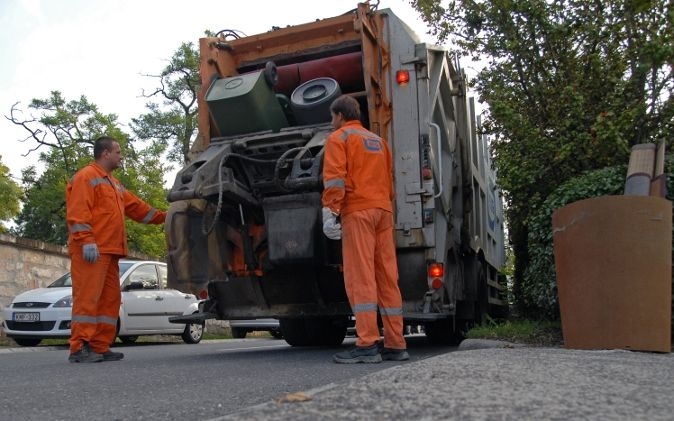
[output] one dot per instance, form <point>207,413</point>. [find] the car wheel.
<point>238,333</point>
<point>193,333</point>
<point>27,341</point>
<point>128,339</point>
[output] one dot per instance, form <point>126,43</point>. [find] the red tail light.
<point>436,271</point>
<point>403,77</point>
<point>203,294</point>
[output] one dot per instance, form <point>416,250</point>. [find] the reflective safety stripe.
<point>106,320</point>
<point>96,181</point>
<point>149,216</point>
<point>363,133</point>
<point>100,319</point>
<point>84,319</point>
<point>365,307</point>
<point>80,228</point>
<point>391,311</point>
<point>335,182</point>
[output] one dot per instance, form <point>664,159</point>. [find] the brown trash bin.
<point>613,262</point>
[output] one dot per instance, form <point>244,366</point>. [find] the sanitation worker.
<point>358,189</point>
<point>96,204</point>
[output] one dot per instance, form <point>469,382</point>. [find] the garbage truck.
<point>244,228</point>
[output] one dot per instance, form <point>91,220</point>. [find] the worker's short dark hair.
<point>346,105</point>
<point>103,143</point>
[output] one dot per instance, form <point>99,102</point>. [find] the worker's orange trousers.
<point>371,276</point>
<point>96,300</point>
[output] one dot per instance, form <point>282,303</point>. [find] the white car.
<point>146,307</point>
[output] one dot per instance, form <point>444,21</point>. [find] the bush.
<point>539,286</point>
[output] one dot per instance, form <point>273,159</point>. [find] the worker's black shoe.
<point>112,356</point>
<point>390,354</point>
<point>358,355</point>
<point>85,355</point>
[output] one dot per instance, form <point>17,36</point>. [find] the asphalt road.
<point>171,381</point>
<point>495,383</point>
<point>264,379</point>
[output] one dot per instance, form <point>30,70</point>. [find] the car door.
<point>142,303</point>
<point>175,303</point>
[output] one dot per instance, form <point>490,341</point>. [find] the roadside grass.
<point>530,332</point>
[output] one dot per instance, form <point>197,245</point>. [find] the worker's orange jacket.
<point>96,204</point>
<point>357,170</point>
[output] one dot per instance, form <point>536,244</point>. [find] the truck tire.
<point>239,333</point>
<point>325,331</point>
<point>443,332</point>
<point>294,332</point>
<point>270,73</point>
<point>313,331</point>
<point>482,299</point>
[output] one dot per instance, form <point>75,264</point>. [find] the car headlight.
<point>64,302</point>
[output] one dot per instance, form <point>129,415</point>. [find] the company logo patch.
<point>372,145</point>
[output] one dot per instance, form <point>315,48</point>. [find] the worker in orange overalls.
<point>96,204</point>
<point>358,188</point>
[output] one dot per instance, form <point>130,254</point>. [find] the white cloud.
<point>100,48</point>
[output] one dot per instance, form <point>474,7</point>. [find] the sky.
<point>102,49</point>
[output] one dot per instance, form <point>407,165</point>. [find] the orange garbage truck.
<point>244,224</point>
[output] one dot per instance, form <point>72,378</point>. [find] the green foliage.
<point>10,196</point>
<point>571,86</point>
<point>532,332</point>
<point>64,132</point>
<point>172,125</point>
<point>539,286</point>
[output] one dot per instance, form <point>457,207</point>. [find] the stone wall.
<point>27,264</point>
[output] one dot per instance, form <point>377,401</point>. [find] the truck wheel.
<point>442,332</point>
<point>238,333</point>
<point>482,299</point>
<point>193,333</point>
<point>294,332</point>
<point>325,331</point>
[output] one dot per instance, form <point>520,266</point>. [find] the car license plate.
<point>26,317</point>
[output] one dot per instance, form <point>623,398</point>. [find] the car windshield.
<point>66,280</point>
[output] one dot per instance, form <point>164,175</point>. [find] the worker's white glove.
<point>331,228</point>
<point>90,252</point>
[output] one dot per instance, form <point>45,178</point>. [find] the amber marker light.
<point>403,77</point>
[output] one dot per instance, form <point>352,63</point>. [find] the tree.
<point>10,196</point>
<point>571,86</point>
<point>173,127</point>
<point>63,133</point>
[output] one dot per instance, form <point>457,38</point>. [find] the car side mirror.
<point>133,286</point>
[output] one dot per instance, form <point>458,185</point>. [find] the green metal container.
<point>244,104</point>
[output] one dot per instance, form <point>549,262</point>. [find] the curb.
<point>473,344</point>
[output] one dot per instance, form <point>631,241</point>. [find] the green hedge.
<point>539,286</point>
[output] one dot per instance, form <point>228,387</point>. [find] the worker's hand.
<point>331,228</point>
<point>90,252</point>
